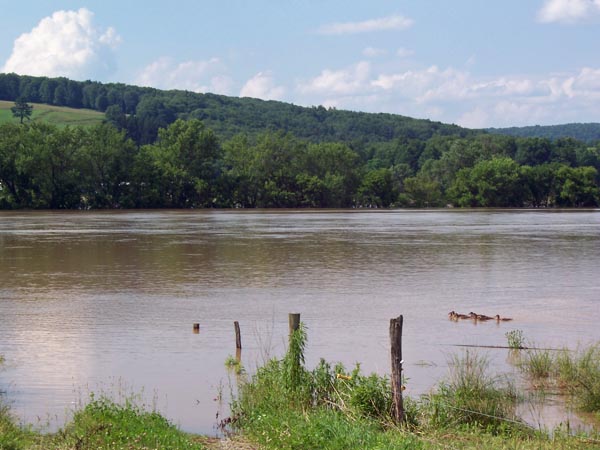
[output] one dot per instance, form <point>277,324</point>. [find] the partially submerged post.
<point>396,380</point>
<point>294,321</point>
<point>196,328</point>
<point>238,336</point>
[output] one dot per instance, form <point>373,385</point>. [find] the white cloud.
<point>67,43</point>
<point>404,52</point>
<point>476,118</point>
<point>395,22</point>
<point>195,76</point>
<point>457,96</point>
<point>371,52</point>
<point>262,85</point>
<point>568,11</point>
<point>344,82</point>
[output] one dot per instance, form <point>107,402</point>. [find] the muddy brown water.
<point>106,301</point>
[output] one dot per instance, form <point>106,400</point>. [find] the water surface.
<point>92,301</point>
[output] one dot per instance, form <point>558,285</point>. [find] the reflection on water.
<point>89,297</point>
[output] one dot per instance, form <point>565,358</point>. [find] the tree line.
<point>188,165</point>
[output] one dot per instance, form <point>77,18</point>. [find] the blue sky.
<point>476,63</point>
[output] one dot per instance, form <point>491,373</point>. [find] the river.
<point>105,301</point>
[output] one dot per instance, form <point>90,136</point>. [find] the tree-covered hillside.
<point>175,149</point>
<point>142,111</point>
<point>586,132</point>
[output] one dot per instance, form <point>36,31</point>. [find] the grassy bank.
<point>101,424</point>
<point>56,115</point>
<point>286,406</point>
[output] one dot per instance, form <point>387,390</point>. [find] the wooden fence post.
<point>396,380</point>
<point>294,321</point>
<point>238,336</point>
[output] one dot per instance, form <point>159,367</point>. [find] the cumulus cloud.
<point>344,81</point>
<point>372,52</point>
<point>262,85</point>
<point>568,11</point>
<point>456,95</point>
<point>67,43</point>
<point>395,22</point>
<point>195,76</point>
<point>404,52</point>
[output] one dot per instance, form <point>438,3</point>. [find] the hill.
<point>585,132</point>
<point>57,115</point>
<point>142,111</point>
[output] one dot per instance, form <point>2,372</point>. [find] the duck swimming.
<point>476,316</point>
<point>453,315</point>
<point>502,319</point>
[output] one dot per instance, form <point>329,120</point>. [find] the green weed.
<point>472,397</point>
<point>515,339</point>
<point>538,364</point>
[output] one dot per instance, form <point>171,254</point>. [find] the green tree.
<point>181,169</point>
<point>421,191</point>
<point>106,161</point>
<point>495,182</point>
<point>22,109</point>
<point>377,189</point>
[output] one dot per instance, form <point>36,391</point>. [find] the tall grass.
<point>577,373</point>
<point>471,396</point>
<point>538,363</point>
<point>284,405</point>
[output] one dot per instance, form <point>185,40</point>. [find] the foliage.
<point>580,375</point>
<point>22,109</point>
<point>538,363</point>
<point>178,149</point>
<point>577,373</point>
<point>515,338</point>
<point>473,397</point>
<point>586,132</point>
<point>105,424</point>
<point>102,423</point>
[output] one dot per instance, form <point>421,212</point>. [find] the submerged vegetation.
<point>575,373</point>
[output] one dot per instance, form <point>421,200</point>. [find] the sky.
<point>476,63</point>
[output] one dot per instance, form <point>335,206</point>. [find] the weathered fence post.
<point>294,320</point>
<point>238,336</point>
<point>196,328</point>
<point>396,380</point>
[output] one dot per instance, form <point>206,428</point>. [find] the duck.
<point>502,319</point>
<point>453,315</point>
<point>476,316</point>
<point>461,316</point>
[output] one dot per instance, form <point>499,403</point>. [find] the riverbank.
<point>284,405</point>
<point>103,424</point>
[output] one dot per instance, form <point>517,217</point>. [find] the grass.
<point>576,373</point>
<point>471,397</point>
<point>101,424</point>
<point>515,339</point>
<point>56,115</point>
<point>286,406</point>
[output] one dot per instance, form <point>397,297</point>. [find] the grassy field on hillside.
<point>56,115</point>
